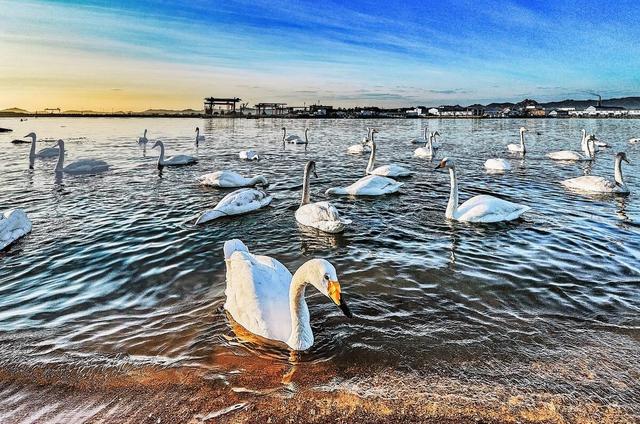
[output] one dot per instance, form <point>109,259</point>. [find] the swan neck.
<point>301,337</point>
<point>60,163</point>
<point>522,146</point>
<point>32,152</point>
<point>305,185</point>
<point>284,134</point>
<point>372,156</point>
<point>306,139</point>
<point>161,158</point>
<point>618,171</point>
<point>453,195</point>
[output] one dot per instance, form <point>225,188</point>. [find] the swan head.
<point>197,129</point>
<point>60,143</point>
<point>311,168</point>
<point>322,275</point>
<point>446,163</point>
<point>156,144</point>
<point>622,156</point>
<point>436,133</point>
<point>31,134</point>
<point>523,129</point>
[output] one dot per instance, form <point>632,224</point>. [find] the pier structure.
<point>228,103</point>
<point>271,109</point>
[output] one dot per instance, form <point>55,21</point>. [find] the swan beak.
<point>439,166</point>
<point>338,299</point>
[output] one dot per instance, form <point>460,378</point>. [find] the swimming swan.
<point>576,156</point>
<point>482,208</point>
<point>321,215</point>
<point>81,166</point>
<point>142,141</point>
<point>177,160</point>
<point>358,149</point>
<point>519,148</point>
<point>47,152</point>
<point>14,224</point>
<point>199,137</point>
<point>427,150</point>
<point>634,140</point>
<point>238,202</point>
<point>593,184</point>
<point>385,170</point>
<point>371,185</point>
<point>265,299</point>
<point>230,179</point>
<point>249,155</point>
<point>294,139</point>
<point>421,140</point>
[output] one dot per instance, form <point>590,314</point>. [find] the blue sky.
<point>155,53</point>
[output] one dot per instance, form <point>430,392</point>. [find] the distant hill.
<point>625,102</point>
<point>171,112</point>
<point>15,110</point>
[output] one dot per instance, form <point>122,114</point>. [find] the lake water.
<point>111,309</point>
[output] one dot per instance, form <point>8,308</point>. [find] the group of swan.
<point>428,150</point>
<point>361,147</point>
<point>294,139</point>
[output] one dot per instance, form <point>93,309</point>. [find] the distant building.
<point>605,111</point>
<point>457,111</point>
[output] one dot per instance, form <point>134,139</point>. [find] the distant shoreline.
<point>202,116</point>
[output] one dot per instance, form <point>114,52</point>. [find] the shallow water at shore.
<point>117,295</point>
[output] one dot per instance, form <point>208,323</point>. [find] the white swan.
<point>14,224</point>
<point>358,149</point>
<point>427,150</point>
<point>321,215</point>
<point>497,164</point>
<point>634,140</point>
<point>199,137</point>
<point>47,152</point>
<point>422,139</point>
<point>238,202</point>
<point>482,208</point>
<point>249,155</point>
<point>176,160</point>
<point>593,184</point>
<point>294,139</point>
<point>371,185</point>
<point>576,156</point>
<point>230,179</point>
<point>385,170</point>
<point>265,299</point>
<point>519,148</point>
<point>142,141</point>
<point>599,143</point>
<point>81,166</point>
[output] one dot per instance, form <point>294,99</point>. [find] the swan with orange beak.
<point>266,300</point>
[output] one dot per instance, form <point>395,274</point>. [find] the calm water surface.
<point>115,277</point>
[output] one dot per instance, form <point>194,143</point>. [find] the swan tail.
<point>233,245</point>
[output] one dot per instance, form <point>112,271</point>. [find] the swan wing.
<point>514,148</point>
<point>373,185</point>
<point>180,160</point>
<point>86,166</point>
<point>48,152</point>
<point>488,209</point>
<point>243,201</point>
<point>14,224</point>
<point>497,163</point>
<point>321,215</point>
<point>422,152</point>
<point>565,155</point>
<point>591,183</point>
<point>391,171</point>
<point>257,294</point>
<point>356,148</point>
<point>223,179</point>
